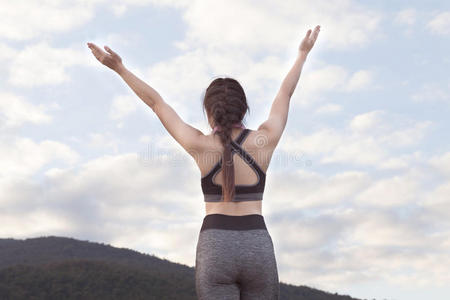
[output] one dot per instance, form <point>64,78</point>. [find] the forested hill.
<point>66,268</point>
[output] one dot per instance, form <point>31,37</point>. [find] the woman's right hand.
<point>309,40</point>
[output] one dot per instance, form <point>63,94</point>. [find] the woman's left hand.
<point>111,59</point>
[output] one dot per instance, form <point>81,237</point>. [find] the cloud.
<point>204,53</point>
<point>33,223</point>
<point>331,78</point>
<point>367,121</point>
<point>438,202</point>
<point>304,189</point>
<point>374,229</point>
<point>26,157</point>
<point>6,52</point>
<point>23,20</point>
<point>16,111</point>
<point>366,140</point>
<point>406,16</point>
<point>105,141</point>
<point>441,163</point>
<point>348,221</point>
<point>40,64</point>
<point>57,17</point>
<point>440,24</point>
<point>269,26</point>
<point>359,80</point>
<point>393,191</point>
<point>432,92</point>
<point>119,7</point>
<point>329,108</point>
<point>122,106</point>
<point>106,199</point>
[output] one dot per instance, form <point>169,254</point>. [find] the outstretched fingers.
<point>95,48</point>
<point>101,55</point>
<point>308,33</point>
<point>110,51</point>
<point>316,32</point>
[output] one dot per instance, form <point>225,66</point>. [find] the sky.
<point>357,196</point>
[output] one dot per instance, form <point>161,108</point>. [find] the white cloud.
<point>269,25</point>
<point>440,24</point>
<point>304,189</point>
<point>38,222</point>
<point>107,199</point>
<point>357,150</point>
<point>192,73</point>
<point>441,163</point>
<point>397,190</point>
<point>331,78</point>
<point>402,161</point>
<point>106,141</point>
<point>15,111</point>
<point>335,239</point>
<point>359,80</point>
<point>406,16</point>
<point>368,121</point>
<point>172,3</point>
<point>327,78</point>
<point>53,17</point>
<point>205,53</point>
<point>329,108</point>
<point>432,92</point>
<point>25,156</point>
<point>40,64</point>
<point>145,139</point>
<point>407,136</point>
<point>367,139</point>
<point>6,52</point>
<point>122,106</point>
<point>119,9</point>
<point>437,203</point>
<point>351,243</point>
<point>23,20</point>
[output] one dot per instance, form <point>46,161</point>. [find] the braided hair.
<point>225,102</point>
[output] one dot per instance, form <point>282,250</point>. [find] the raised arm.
<point>274,126</point>
<point>186,135</point>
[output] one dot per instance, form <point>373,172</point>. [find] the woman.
<point>235,256</point>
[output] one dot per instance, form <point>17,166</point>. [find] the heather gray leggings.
<point>235,259</point>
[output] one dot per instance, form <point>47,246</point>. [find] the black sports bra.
<point>245,192</point>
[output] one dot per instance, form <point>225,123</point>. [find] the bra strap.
<point>238,141</point>
<point>242,136</point>
<point>243,153</point>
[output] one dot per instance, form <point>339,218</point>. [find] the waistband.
<point>246,222</point>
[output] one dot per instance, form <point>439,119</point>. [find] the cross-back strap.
<point>242,136</point>
<point>236,145</point>
<point>244,154</point>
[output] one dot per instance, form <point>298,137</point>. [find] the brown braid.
<point>226,103</point>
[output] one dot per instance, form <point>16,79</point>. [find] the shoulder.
<point>262,138</point>
<point>204,143</point>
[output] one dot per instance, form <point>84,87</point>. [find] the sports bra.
<point>245,192</point>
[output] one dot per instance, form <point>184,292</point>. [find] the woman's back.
<point>250,163</point>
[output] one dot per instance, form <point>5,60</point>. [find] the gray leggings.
<point>235,259</point>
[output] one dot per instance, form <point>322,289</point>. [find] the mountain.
<point>66,268</point>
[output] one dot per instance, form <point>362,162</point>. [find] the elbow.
<point>154,105</point>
